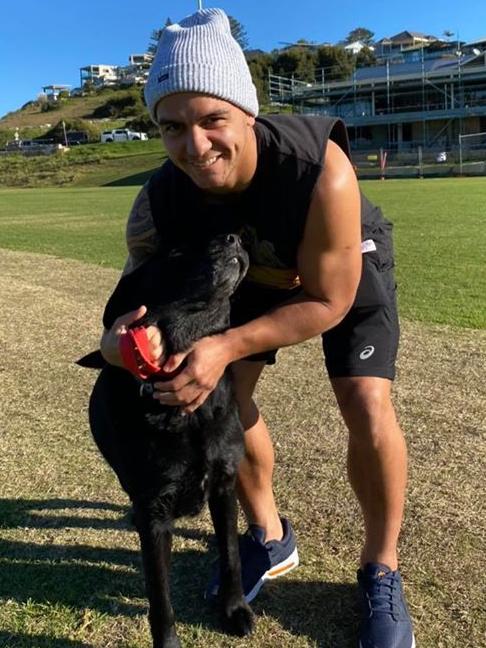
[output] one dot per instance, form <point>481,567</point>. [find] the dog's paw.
<point>238,619</point>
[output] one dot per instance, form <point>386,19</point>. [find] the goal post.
<point>472,149</point>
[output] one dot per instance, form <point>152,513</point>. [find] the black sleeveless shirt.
<point>271,213</point>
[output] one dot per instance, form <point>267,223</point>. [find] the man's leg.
<point>268,549</point>
<point>377,466</point>
<point>377,462</point>
<point>255,472</point>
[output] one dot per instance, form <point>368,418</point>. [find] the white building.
<point>99,74</point>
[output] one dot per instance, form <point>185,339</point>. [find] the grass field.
<point>70,573</point>
<point>440,237</point>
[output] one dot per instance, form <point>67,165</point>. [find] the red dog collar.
<point>135,354</point>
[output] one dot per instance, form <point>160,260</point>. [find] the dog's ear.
<point>133,290</point>
<point>93,360</point>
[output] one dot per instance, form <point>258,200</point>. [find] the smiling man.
<point>216,159</point>
<point>321,263</point>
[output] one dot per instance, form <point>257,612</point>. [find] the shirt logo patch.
<point>162,77</point>
<point>368,246</point>
<point>367,352</point>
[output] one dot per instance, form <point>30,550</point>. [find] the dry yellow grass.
<point>69,565</point>
<point>32,115</point>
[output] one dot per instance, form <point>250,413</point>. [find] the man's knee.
<point>245,377</point>
<point>365,403</point>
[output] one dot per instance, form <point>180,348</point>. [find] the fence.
<point>419,162</point>
<point>37,149</point>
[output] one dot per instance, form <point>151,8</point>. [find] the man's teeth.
<point>205,164</point>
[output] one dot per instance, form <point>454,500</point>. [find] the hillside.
<point>89,165</point>
<point>93,112</point>
<point>115,164</point>
<point>33,115</point>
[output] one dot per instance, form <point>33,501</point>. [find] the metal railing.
<point>421,162</point>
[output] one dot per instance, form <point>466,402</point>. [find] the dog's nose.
<point>233,240</point>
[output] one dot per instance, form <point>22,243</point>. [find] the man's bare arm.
<point>141,235</point>
<point>329,265</point>
<point>142,242</point>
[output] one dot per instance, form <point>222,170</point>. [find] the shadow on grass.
<point>323,612</point>
<point>131,180</point>
<point>81,575</point>
<point>36,514</point>
<point>110,582</point>
<point>16,640</point>
<point>40,514</point>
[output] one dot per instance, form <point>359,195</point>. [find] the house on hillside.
<point>356,46</point>
<point>99,74</point>
<point>52,91</point>
<point>391,46</point>
<point>136,72</point>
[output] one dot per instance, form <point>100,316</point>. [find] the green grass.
<point>85,224</point>
<point>440,236</point>
<point>440,240</point>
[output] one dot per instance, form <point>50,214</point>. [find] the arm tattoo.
<point>141,235</point>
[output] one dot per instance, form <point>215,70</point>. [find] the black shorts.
<point>364,343</point>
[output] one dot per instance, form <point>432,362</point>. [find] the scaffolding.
<point>397,106</point>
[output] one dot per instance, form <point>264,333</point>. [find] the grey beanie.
<point>200,55</point>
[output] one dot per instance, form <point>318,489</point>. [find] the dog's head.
<point>193,276</point>
<point>212,269</point>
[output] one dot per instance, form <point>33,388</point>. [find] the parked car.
<point>26,145</point>
<point>34,147</point>
<point>122,135</point>
<point>76,137</point>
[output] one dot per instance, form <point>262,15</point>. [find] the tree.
<point>155,37</point>
<point>260,63</point>
<point>365,58</point>
<point>239,33</point>
<point>360,34</point>
<point>299,60</point>
<point>336,62</point>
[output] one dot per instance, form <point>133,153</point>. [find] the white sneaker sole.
<point>276,571</point>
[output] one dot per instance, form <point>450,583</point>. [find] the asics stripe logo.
<point>367,352</point>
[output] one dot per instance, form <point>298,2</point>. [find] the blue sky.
<point>45,42</point>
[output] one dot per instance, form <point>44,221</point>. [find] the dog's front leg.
<point>156,545</point>
<point>237,616</point>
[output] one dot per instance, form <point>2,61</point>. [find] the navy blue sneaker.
<point>386,622</point>
<point>260,560</point>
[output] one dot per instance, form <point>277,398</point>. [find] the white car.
<point>122,135</point>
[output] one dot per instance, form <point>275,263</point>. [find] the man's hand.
<point>110,340</point>
<point>206,361</point>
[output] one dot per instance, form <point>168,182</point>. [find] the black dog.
<point>170,464</point>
